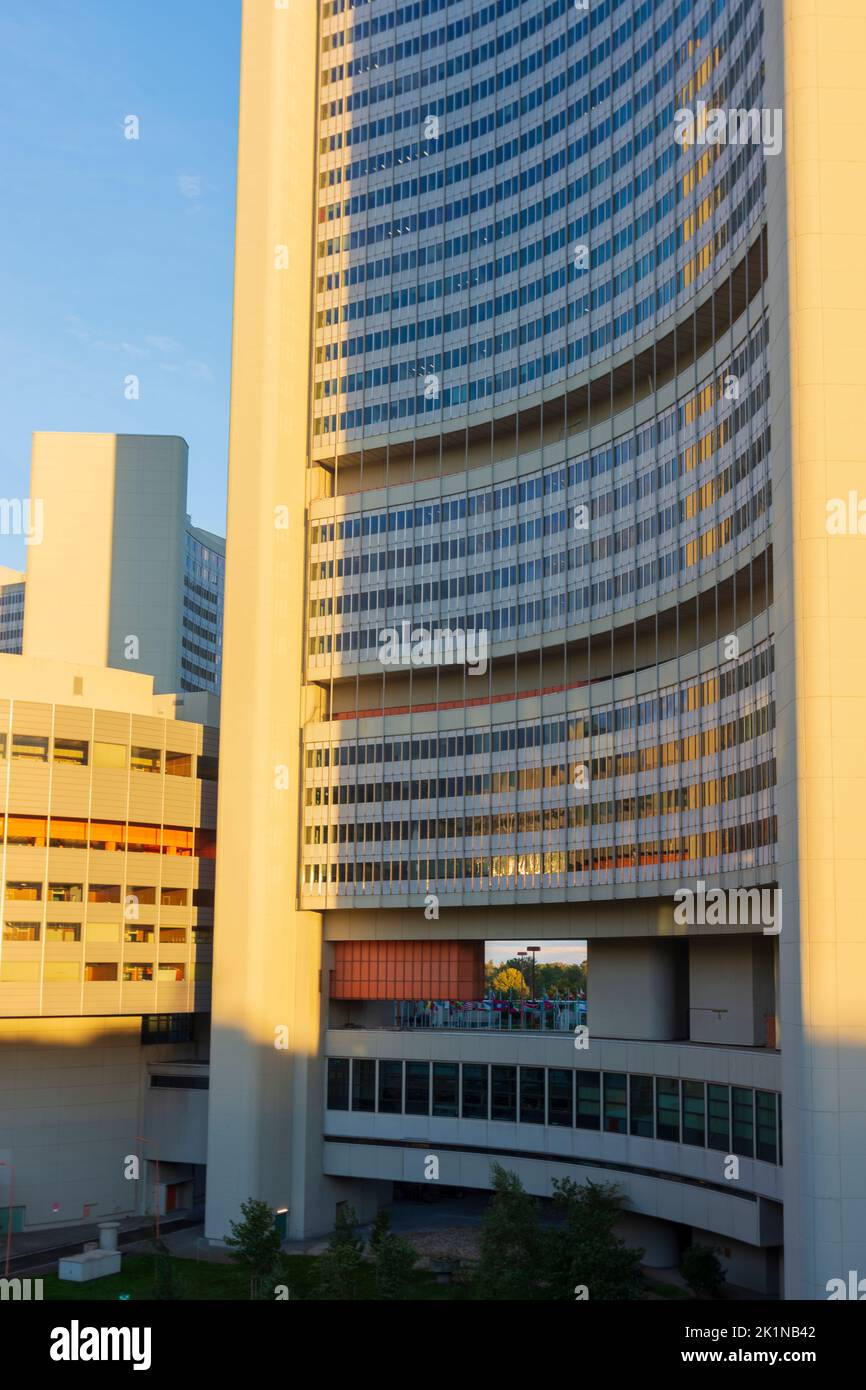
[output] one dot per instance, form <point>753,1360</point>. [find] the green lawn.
<point>205,1280</point>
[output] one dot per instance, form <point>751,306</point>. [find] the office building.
<point>120,576</point>
<point>546,363</point>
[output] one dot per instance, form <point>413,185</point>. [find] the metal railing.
<point>492,1015</point>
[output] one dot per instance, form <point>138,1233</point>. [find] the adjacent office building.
<point>108,819</point>
<point>120,576</point>
<point>548,328</point>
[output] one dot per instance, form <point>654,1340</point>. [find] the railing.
<point>492,1015</point>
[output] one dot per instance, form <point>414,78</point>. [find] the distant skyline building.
<point>120,575</point>
<point>11,609</point>
<point>505,331</point>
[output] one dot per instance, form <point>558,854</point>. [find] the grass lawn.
<point>200,1279</point>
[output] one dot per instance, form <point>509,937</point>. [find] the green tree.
<point>381,1229</point>
<point>702,1270</point>
<point>338,1272</point>
<point>584,1251</point>
<point>255,1242</point>
<point>165,1283</point>
<point>511,1242</point>
<point>393,1263</point>
<point>345,1230</point>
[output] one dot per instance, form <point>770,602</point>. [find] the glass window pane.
<point>693,1112</point>
<point>474,1091</point>
<point>109,755</point>
<point>718,1118</point>
<point>588,1100</point>
<point>363,1084</point>
<point>615,1103</point>
<point>532,1095</point>
<point>338,1083</point>
<point>744,1121</point>
<point>667,1109</point>
<point>417,1088</point>
<point>641,1094</point>
<point>390,1088</point>
<point>144,759</point>
<point>765,1113</point>
<point>503,1087</point>
<point>560,1097</point>
<point>71,750</point>
<point>445,1079</point>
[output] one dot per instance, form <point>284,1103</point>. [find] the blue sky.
<point>116,254</point>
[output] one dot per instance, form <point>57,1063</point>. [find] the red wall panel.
<point>408,970</point>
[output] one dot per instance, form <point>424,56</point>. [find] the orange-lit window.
<point>26,830</point>
<point>177,841</point>
<point>68,834</point>
<point>178,764</point>
<point>107,835</point>
<point>97,971</point>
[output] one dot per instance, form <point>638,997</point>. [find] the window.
<point>532,1095</point>
<point>107,835</point>
<point>139,936</point>
<point>68,834</point>
<point>181,1083</point>
<point>145,759</point>
<point>172,936</point>
<point>503,1093</point>
<point>765,1122</point>
<point>145,895</point>
<point>100,971</point>
<point>474,1105</point>
<point>390,1088</point>
<point>65,892</point>
<point>72,751</point>
<point>417,1088</point>
<point>641,1095</point>
<point>103,932</point>
<point>28,831</point>
<point>338,1083</point>
<point>163,1028</point>
<point>363,1084</point>
<point>110,755</point>
<point>103,893</point>
<point>171,972</point>
<point>63,931</point>
<point>718,1118</point>
<point>667,1109</point>
<point>208,767</point>
<point>20,931</point>
<point>560,1097</point>
<point>137,972</point>
<point>29,748</point>
<point>19,972</point>
<point>64,972</point>
<point>445,1083</point>
<point>173,897</point>
<point>178,764</point>
<point>693,1113</point>
<point>615,1103</point>
<point>24,892</point>
<point>588,1100</point>
<point>743,1105</point>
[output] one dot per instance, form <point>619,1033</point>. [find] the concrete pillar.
<point>637,988</point>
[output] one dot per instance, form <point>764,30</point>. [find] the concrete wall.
<point>637,989</point>
<point>731,989</point>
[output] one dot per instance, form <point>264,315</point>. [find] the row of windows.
<point>96,893</point>
<point>19,972</point>
<point>556,867</point>
<point>730,1119</point>
<point>673,801</point>
<point>63,832</point>
<point>102,932</point>
<point>78,752</point>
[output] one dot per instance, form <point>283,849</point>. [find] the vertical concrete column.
<point>817,301</point>
<point>266,1085</point>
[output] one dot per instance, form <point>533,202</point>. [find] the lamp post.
<point>533,951</point>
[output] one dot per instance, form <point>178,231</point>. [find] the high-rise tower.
<point>534,626</point>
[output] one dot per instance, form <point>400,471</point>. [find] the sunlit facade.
<point>537,422</point>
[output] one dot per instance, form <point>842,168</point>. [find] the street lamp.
<point>533,951</point>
